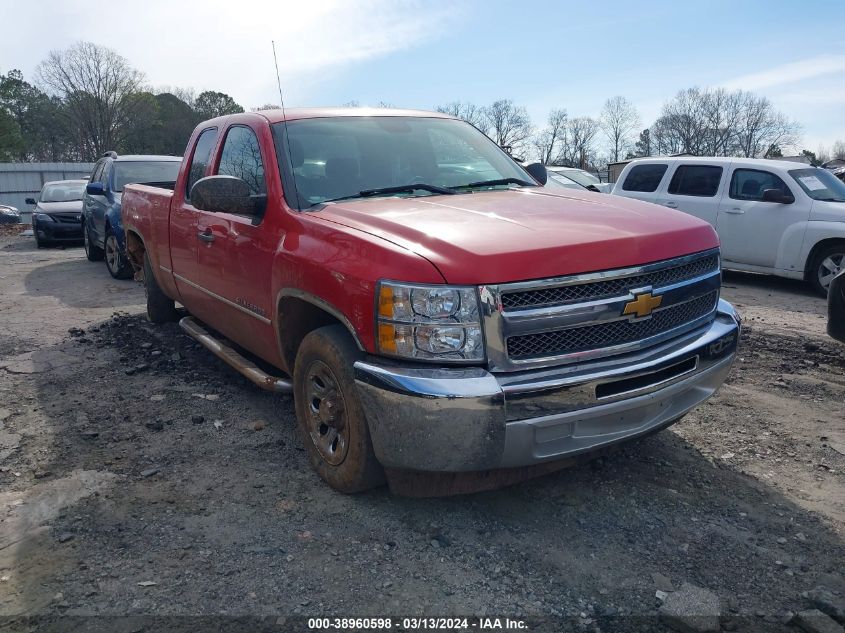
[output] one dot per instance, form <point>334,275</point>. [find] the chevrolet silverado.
<point>429,305</point>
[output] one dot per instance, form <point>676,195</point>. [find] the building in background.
<point>19,181</point>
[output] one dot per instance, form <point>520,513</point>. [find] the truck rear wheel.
<point>160,307</point>
<point>329,415</point>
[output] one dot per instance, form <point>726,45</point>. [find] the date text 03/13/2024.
<point>417,623</point>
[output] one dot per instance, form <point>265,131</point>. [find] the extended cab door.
<point>751,230</point>
<point>236,252</point>
<point>695,188</point>
<point>183,221</point>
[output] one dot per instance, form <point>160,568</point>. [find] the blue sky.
<point>418,54</point>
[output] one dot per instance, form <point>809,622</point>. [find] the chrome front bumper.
<point>468,419</point>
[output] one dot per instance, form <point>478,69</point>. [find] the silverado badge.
<point>642,305</point>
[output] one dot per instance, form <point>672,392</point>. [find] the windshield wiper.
<point>830,199</point>
<point>419,186</point>
<point>497,182</point>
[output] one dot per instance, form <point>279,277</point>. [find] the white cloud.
<point>789,73</point>
<point>225,45</point>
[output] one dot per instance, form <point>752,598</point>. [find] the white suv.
<point>775,217</point>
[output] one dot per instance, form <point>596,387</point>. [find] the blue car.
<point>102,232</point>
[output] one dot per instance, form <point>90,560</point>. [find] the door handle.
<point>735,211</point>
<point>672,205</point>
<point>206,236</point>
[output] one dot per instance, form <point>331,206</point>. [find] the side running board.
<point>232,358</point>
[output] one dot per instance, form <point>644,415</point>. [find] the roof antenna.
<point>285,123</point>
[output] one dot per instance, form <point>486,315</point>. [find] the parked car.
<point>836,167</point>
<point>585,179</point>
<point>103,231</point>
<point>57,216</point>
<point>836,307</point>
<point>9,215</point>
<point>775,217</point>
<point>422,326</point>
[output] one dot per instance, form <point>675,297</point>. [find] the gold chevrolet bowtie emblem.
<point>643,305</point>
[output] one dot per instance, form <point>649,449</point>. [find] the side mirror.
<point>776,195</point>
<point>95,189</point>
<point>538,172</point>
<point>226,194</point>
<point>30,201</point>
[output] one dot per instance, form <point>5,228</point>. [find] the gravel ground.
<point>140,476</point>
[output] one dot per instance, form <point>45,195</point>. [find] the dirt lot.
<point>140,476</point>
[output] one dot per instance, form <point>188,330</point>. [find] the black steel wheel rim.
<point>327,414</point>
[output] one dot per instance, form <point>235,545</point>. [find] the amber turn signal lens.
<point>387,336</point>
<point>385,302</point>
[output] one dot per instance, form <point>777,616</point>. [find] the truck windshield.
<point>819,184</point>
<point>145,172</point>
<point>338,157</point>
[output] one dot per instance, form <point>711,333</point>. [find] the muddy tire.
<point>329,415</point>
<point>116,262</point>
<point>825,266</point>
<point>93,252</point>
<point>160,307</point>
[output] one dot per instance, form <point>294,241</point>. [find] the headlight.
<point>429,322</point>
<point>42,217</point>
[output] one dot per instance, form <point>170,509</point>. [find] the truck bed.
<point>145,209</point>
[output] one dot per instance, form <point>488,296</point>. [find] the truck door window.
<point>200,159</point>
<point>749,184</point>
<point>696,180</point>
<point>241,157</point>
<point>644,178</point>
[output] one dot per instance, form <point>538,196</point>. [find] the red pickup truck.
<point>428,303</point>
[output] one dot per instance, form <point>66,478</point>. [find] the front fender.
<point>338,267</point>
<point>817,232</point>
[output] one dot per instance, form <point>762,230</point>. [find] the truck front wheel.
<point>329,415</point>
<point>160,307</point>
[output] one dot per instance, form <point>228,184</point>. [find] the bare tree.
<point>619,120</point>
<point>577,146</point>
<point>722,123</point>
<point>97,86</point>
<point>761,128</point>
<point>508,125</point>
<point>547,140</point>
<point>838,150</point>
<point>469,112</point>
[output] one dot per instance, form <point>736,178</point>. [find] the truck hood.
<point>515,235</point>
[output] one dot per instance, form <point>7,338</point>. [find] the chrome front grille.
<point>597,337</point>
<point>591,291</point>
<point>552,322</point>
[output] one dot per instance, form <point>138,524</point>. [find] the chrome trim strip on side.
<point>165,269</point>
<point>264,320</point>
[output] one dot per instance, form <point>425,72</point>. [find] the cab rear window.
<point>644,178</point>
